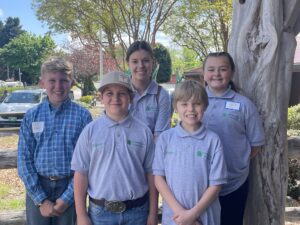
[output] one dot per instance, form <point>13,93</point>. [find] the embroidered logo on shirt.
<point>97,146</point>
<point>135,143</point>
<point>151,109</point>
<point>203,154</point>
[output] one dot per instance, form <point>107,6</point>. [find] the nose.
<point>190,107</point>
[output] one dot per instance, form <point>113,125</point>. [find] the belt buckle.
<point>115,206</point>
<point>53,178</point>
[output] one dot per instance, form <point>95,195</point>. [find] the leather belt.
<point>120,206</point>
<point>55,178</point>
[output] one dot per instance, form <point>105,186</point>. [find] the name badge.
<point>233,105</point>
<point>37,127</point>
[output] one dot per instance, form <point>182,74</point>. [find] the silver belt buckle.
<point>115,206</point>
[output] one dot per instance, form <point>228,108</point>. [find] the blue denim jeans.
<point>101,216</point>
<point>54,189</point>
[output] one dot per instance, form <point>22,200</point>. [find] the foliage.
<point>27,52</point>
<point>87,99</point>
<point>294,176</point>
<point>120,21</point>
<point>183,59</point>
<point>9,30</point>
<point>163,58</point>
<point>294,117</point>
<point>88,86</point>
<point>200,25</point>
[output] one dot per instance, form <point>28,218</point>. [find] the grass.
<point>9,203</point>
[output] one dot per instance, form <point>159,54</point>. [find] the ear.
<point>41,83</point>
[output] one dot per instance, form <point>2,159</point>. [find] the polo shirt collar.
<point>126,122</point>
<point>229,93</point>
<point>198,134</point>
<point>151,89</point>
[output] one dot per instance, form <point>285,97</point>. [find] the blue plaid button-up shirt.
<point>46,143</point>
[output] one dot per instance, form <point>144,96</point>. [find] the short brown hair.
<point>190,89</point>
<point>57,64</point>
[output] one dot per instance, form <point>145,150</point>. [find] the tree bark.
<point>8,159</point>
<point>263,44</point>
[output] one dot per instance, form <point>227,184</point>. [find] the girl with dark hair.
<point>237,122</point>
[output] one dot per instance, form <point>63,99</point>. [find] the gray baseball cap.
<point>115,77</point>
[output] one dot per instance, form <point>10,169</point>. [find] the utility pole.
<point>101,56</point>
<point>7,72</point>
<point>20,75</point>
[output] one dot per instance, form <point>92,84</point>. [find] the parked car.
<point>15,105</point>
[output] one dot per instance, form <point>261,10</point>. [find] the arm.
<point>192,215</point>
<point>80,193</point>
<point>166,193</point>
<point>153,200</point>
<point>164,114</point>
<point>254,151</point>
<point>26,167</point>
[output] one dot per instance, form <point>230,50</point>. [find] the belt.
<point>55,178</point>
<point>120,206</point>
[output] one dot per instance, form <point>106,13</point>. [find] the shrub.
<point>87,99</point>
<point>294,117</point>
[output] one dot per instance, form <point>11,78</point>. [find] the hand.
<point>47,209</point>
<point>152,219</point>
<point>83,220</point>
<point>60,206</point>
<point>185,217</point>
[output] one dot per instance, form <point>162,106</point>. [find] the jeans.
<point>101,216</point>
<point>54,189</point>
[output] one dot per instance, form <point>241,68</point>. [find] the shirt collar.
<point>198,134</point>
<point>151,89</point>
<point>229,93</point>
<point>63,106</point>
<point>126,122</point>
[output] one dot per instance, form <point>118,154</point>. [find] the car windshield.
<point>21,97</point>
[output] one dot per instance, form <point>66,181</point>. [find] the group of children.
<point>121,160</point>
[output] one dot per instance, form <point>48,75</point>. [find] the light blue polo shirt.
<point>237,122</point>
<point>190,162</point>
<point>155,113</point>
<point>116,157</point>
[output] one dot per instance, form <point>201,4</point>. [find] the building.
<point>295,90</point>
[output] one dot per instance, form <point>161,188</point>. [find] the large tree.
<point>27,52</point>
<point>120,21</point>
<point>9,30</point>
<point>200,25</point>
<point>263,44</point>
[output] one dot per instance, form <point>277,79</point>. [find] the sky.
<point>23,10</point>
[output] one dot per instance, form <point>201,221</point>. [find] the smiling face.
<point>190,113</point>
<point>57,85</point>
<point>116,100</point>
<point>140,63</point>
<point>218,73</point>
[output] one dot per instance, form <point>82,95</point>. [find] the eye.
<point>123,94</point>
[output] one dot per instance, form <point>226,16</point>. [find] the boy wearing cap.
<point>112,162</point>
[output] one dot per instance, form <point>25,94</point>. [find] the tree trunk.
<point>263,44</point>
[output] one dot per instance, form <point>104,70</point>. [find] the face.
<point>217,74</point>
<point>190,114</point>
<point>57,85</point>
<point>116,100</point>
<point>140,64</point>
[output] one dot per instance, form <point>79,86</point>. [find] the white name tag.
<point>233,105</point>
<point>37,127</point>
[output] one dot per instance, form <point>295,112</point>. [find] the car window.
<point>19,97</point>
